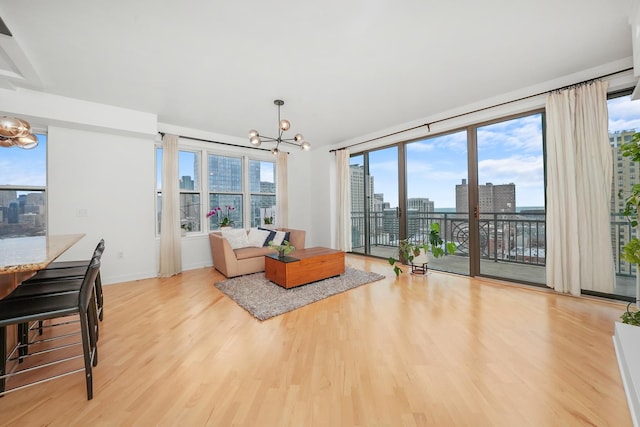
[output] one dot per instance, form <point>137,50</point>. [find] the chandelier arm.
<point>290,142</point>
<point>267,138</point>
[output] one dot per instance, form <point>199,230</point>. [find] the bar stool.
<point>59,277</point>
<point>18,311</point>
<point>56,283</point>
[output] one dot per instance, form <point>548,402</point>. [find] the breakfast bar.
<point>21,257</point>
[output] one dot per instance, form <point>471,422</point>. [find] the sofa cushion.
<point>257,237</point>
<point>252,252</point>
<point>237,238</point>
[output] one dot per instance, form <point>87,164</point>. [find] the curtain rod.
<point>428,125</point>
<point>218,142</point>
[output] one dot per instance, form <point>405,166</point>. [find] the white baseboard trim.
<point>626,340</point>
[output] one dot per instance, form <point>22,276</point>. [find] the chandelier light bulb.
<point>27,142</point>
<point>298,137</point>
<point>305,146</point>
<point>253,133</point>
<point>284,124</point>
<point>255,140</point>
<point>274,151</point>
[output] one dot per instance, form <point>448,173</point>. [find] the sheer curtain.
<point>343,239</point>
<point>170,244</point>
<point>579,173</point>
<point>282,193</point>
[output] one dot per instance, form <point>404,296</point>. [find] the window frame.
<point>211,148</point>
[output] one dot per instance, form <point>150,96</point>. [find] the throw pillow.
<point>279,237</point>
<point>272,234</point>
<point>257,237</point>
<point>237,238</point>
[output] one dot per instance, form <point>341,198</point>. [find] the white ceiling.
<point>343,68</point>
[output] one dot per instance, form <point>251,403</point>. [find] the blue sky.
<point>508,152</point>
<point>24,167</point>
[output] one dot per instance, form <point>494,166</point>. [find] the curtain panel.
<point>170,243</point>
<point>282,192</point>
<point>343,238</point>
<point>579,173</point>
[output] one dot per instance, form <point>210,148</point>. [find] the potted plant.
<point>631,317</point>
<point>268,221</point>
<point>223,216</point>
<point>283,249</point>
<point>408,251</point>
<point>186,227</point>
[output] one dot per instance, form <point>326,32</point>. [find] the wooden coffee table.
<point>311,264</point>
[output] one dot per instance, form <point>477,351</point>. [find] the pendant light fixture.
<point>283,125</point>
<point>16,132</point>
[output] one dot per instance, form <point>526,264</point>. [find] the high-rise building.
<point>6,197</point>
<point>491,198</point>
<point>187,183</point>
<point>420,204</point>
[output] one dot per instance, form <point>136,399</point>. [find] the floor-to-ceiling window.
<point>624,122</point>
<point>492,208</point>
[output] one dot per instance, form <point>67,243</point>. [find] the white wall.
<point>102,185</point>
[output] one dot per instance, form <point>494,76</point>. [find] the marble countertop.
<point>23,254</point>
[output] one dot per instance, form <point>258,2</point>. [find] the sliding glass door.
<point>375,212</point>
<point>511,199</point>
<point>436,192</point>
<point>492,208</point>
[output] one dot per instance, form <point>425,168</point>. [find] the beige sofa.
<point>236,262</point>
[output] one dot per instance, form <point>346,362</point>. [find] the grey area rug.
<point>264,299</point>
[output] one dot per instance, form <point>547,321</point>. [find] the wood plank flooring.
<point>441,350</point>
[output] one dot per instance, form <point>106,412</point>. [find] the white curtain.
<point>282,192</point>
<point>579,173</point>
<point>343,238</point>
<point>170,244</point>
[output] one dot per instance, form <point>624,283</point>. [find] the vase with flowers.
<point>223,216</point>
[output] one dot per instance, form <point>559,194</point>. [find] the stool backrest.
<point>88,282</point>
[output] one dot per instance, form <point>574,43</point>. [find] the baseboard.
<point>626,340</point>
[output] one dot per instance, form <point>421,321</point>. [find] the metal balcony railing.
<point>518,238</point>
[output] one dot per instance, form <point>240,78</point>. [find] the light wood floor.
<point>440,350</point>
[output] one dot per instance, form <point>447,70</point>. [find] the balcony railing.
<point>518,238</point>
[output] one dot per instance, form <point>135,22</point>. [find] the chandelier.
<point>16,132</point>
<point>283,125</point>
